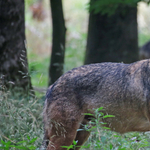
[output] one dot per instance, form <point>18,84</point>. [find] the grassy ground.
<point>21,120</point>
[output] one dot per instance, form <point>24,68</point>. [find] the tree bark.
<point>14,75</point>
<point>58,42</point>
<point>113,38</point>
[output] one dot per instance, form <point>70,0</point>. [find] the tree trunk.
<point>58,43</point>
<point>14,74</point>
<point>113,38</point>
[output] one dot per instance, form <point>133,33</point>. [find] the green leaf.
<point>33,140</point>
<point>106,128</point>
<point>7,143</point>
<point>122,149</point>
<point>2,147</point>
<point>64,146</point>
<point>88,114</point>
<point>31,147</point>
<point>2,142</point>
<point>68,147</point>
<point>28,137</point>
<point>108,116</point>
<point>22,142</point>
<point>116,136</point>
<point>75,142</point>
<point>110,146</point>
<point>100,108</point>
<point>93,127</point>
<point>21,147</point>
<point>103,123</point>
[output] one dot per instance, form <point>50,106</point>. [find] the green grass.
<point>107,140</point>
<point>39,70</point>
<point>20,119</point>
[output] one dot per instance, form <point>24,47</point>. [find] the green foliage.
<point>73,146</point>
<point>108,140</point>
<point>38,69</point>
<point>29,2</point>
<point>104,139</point>
<point>20,122</point>
<point>25,145</point>
<point>110,6</point>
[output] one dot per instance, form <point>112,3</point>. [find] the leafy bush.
<point>110,6</point>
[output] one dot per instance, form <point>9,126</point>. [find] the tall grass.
<point>20,119</point>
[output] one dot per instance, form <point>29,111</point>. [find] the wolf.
<point>123,90</point>
<point>144,51</point>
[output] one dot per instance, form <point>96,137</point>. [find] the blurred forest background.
<point>121,37</point>
<point>39,36</point>
<point>76,19</point>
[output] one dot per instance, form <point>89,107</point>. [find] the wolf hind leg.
<point>82,134</point>
<point>81,138</point>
